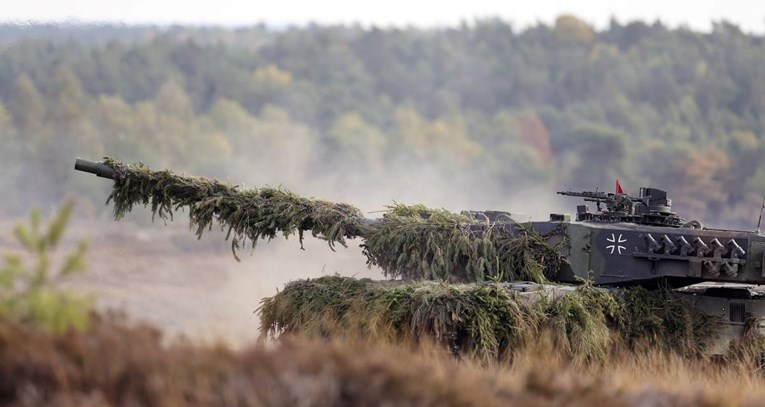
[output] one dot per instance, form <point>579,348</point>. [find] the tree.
<point>357,143</point>
<point>533,131</point>
<point>570,28</point>
<point>70,136</point>
<point>172,100</point>
<point>267,86</point>
<point>68,99</point>
<point>30,294</point>
<point>25,105</point>
<point>597,157</point>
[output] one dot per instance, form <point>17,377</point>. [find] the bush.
<point>29,293</point>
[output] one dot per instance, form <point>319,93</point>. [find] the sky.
<point>698,14</point>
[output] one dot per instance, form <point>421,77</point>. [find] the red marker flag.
<point>619,189</point>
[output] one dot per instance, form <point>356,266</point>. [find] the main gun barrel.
<point>98,168</point>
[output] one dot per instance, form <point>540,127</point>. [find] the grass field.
<point>112,363</point>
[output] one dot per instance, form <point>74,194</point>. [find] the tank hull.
<point>618,254</point>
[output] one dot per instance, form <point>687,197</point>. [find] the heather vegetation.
<point>115,364</point>
<point>560,106</point>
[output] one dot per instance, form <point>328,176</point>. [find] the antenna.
<point>760,218</point>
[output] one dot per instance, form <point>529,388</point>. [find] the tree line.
<point>560,105</point>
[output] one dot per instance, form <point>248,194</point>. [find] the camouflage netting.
<point>415,242</point>
<point>410,242</point>
<point>750,346</point>
<point>487,320</point>
<point>247,214</point>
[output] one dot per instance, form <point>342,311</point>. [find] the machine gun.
<point>650,207</point>
<point>622,203</point>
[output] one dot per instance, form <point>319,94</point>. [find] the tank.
<point>638,240</point>
<point>630,240</point>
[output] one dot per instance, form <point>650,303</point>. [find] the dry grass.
<point>114,364</point>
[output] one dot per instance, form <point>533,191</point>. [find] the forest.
<point>485,106</point>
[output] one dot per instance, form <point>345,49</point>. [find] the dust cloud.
<point>195,288</point>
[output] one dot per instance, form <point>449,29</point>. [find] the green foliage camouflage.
<point>29,292</point>
<point>414,241</point>
<point>411,242</point>
<point>247,214</point>
<point>749,348</point>
<point>664,318</point>
<point>488,320</point>
<point>581,323</point>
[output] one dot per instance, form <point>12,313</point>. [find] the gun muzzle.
<point>98,168</point>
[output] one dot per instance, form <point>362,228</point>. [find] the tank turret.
<point>650,207</point>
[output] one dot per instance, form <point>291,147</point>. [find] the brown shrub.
<point>112,363</point>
